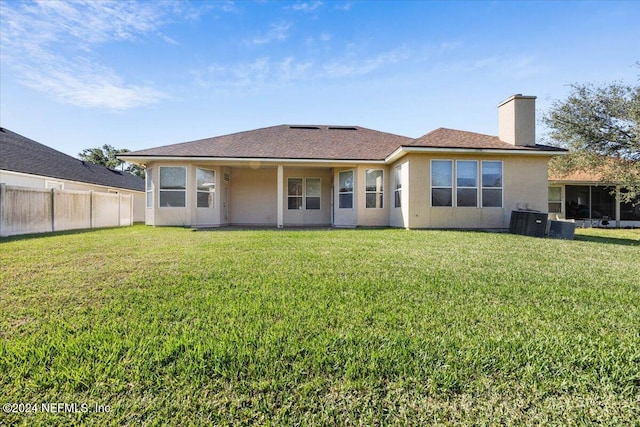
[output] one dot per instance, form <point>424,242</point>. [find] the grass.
<point>167,326</point>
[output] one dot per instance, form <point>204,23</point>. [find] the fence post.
<point>2,202</point>
<point>53,210</point>
<point>90,208</point>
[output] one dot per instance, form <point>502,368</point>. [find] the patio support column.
<point>280,196</point>
<point>617,206</point>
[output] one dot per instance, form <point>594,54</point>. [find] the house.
<point>27,163</point>
<point>584,197</point>
<point>350,176</point>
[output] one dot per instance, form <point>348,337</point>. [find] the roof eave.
<point>143,160</point>
<point>402,151</point>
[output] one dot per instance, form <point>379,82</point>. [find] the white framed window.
<point>397,192</point>
<point>294,193</point>
<point>345,190</point>
<point>442,183</point>
<point>467,183</point>
<point>555,199</point>
<point>173,186</point>
<point>313,190</point>
<point>373,189</point>
<point>491,184</point>
<point>305,196</point>
<point>205,188</point>
<point>149,186</point>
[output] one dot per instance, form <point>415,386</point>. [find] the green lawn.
<point>321,327</point>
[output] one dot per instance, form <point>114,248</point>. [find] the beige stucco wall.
<point>253,196</point>
<point>524,187</point>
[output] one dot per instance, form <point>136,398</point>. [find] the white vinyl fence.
<point>25,210</point>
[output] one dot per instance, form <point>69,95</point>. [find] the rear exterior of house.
<point>341,176</point>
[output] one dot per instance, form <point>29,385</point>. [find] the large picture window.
<point>467,183</point>
<point>397,192</point>
<point>205,188</point>
<point>345,190</point>
<point>373,190</point>
<point>173,187</point>
<point>442,183</point>
<point>491,184</point>
<point>149,187</point>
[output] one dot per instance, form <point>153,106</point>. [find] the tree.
<point>600,125</point>
<point>106,156</point>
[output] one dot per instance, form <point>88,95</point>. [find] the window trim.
<point>340,193</point>
<point>501,188</point>
<point>186,187</point>
<point>301,196</point>
<point>198,191</point>
<point>306,195</point>
<point>559,201</point>
<point>397,192</point>
<point>379,192</point>
<point>149,187</point>
<point>457,187</point>
<point>452,187</point>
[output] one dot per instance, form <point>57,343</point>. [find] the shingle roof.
<point>289,142</point>
<point>321,142</point>
<point>20,154</point>
<point>451,138</point>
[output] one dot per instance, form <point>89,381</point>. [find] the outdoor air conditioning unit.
<point>562,229</point>
<point>528,223</point>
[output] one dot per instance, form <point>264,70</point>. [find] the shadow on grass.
<point>52,234</point>
<point>608,240</point>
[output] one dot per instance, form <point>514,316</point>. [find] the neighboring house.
<point>349,176</point>
<point>26,163</point>
<point>584,197</point>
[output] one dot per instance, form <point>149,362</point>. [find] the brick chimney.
<point>517,120</point>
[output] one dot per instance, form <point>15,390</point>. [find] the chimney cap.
<point>516,96</point>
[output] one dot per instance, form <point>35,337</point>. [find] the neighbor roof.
<point>321,142</point>
<point>20,154</point>
<point>288,142</point>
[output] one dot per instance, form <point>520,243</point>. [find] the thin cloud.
<point>50,44</point>
<point>277,32</point>
<point>345,7</point>
<point>85,84</point>
<point>269,72</point>
<point>362,66</point>
<point>306,6</point>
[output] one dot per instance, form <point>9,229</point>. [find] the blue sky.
<point>135,75</point>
